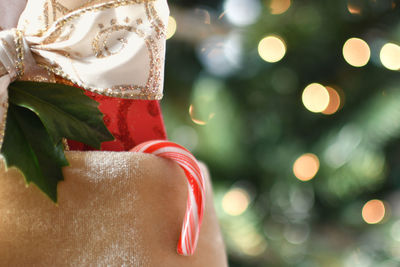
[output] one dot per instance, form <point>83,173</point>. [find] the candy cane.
<point>195,204</point>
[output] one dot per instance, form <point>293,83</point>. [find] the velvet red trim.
<point>131,122</point>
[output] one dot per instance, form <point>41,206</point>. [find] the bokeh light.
<point>296,234</point>
<point>204,15</point>
<point>284,81</point>
<point>373,211</point>
<point>279,6</point>
<point>199,121</point>
<point>221,55</point>
<point>171,29</point>
<point>315,97</point>
<point>334,101</point>
<point>390,56</point>
<point>253,244</point>
<point>302,200</point>
<point>353,7</point>
<point>356,52</point>
<point>272,48</point>
<point>306,167</point>
<point>235,201</point>
<point>395,231</point>
<point>242,12</point>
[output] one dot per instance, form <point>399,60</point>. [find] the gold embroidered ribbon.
<point>114,48</point>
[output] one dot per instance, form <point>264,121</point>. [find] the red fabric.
<point>131,122</point>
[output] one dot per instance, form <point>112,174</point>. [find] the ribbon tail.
<point>4,83</point>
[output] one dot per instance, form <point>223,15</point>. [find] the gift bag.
<point>115,207</point>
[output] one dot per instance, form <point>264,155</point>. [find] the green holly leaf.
<point>28,147</point>
<point>39,116</point>
<point>64,110</point>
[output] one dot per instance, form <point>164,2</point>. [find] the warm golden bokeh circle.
<point>315,97</point>
<point>272,48</point>
<point>390,56</point>
<point>306,167</point>
<point>356,52</point>
<point>279,6</point>
<point>373,211</point>
<point>235,201</point>
<point>197,120</point>
<point>334,101</point>
<point>171,29</point>
<point>353,9</point>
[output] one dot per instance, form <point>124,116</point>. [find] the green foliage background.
<point>257,127</point>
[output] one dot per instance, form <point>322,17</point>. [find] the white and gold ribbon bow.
<point>114,48</point>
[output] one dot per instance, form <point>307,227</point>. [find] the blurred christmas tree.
<point>295,107</point>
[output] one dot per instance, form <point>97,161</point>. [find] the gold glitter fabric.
<point>115,209</point>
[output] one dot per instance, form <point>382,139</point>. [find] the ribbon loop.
<point>11,67</point>
<point>16,58</point>
<point>12,53</point>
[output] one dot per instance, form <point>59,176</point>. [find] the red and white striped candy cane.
<point>196,198</point>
